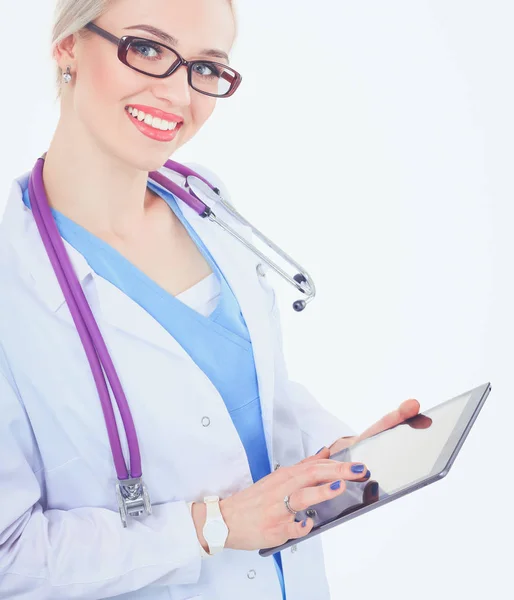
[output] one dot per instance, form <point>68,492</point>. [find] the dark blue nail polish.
<point>336,485</point>
<point>304,523</point>
<point>320,450</point>
<point>374,489</point>
<point>368,474</point>
<point>357,468</point>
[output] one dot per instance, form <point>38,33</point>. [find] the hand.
<point>257,516</point>
<point>406,410</point>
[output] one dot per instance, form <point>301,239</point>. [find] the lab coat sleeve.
<point>319,426</point>
<point>83,553</point>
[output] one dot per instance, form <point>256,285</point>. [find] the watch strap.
<point>213,510</point>
<point>203,554</point>
<point>213,515</point>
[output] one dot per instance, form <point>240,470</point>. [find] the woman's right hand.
<point>257,516</point>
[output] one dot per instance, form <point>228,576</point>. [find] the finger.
<point>365,477</point>
<point>307,497</point>
<point>343,444</point>
<point>407,409</point>
<point>318,460</point>
<point>322,471</point>
<point>321,453</point>
<point>298,529</point>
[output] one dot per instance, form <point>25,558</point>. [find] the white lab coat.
<point>60,531</point>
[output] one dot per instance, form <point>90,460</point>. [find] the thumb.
<point>322,453</point>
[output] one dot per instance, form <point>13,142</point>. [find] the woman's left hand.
<point>406,410</point>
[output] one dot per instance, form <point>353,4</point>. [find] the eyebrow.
<point>172,41</point>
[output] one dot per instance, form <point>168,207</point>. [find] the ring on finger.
<point>288,506</point>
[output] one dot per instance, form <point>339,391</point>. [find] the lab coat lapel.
<point>109,305</point>
<point>118,310</point>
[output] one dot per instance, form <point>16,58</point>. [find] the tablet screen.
<point>408,452</point>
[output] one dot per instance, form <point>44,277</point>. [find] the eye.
<point>206,69</point>
<point>146,50</point>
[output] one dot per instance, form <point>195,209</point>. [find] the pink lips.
<point>151,132</point>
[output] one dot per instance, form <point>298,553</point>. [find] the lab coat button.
<point>294,548</point>
<point>206,421</point>
<point>251,574</point>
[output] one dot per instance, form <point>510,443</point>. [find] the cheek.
<point>99,90</point>
<point>202,108</point>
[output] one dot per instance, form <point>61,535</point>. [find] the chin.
<point>148,163</point>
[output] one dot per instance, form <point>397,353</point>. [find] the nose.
<point>174,88</point>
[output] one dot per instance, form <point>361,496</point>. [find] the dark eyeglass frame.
<point>125,42</point>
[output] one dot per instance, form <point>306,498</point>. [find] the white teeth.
<point>155,122</point>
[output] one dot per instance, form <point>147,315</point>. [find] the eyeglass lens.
<point>155,59</point>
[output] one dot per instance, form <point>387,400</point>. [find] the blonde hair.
<point>71,16</point>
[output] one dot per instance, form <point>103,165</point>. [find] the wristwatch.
<point>215,530</point>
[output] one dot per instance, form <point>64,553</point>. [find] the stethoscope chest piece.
<point>133,499</point>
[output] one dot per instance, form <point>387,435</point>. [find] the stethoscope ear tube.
<point>200,188</point>
<point>301,281</point>
<point>131,491</point>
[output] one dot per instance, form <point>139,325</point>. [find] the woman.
<point>191,327</point>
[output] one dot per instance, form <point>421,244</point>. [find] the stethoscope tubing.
<point>88,330</point>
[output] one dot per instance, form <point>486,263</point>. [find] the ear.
<point>64,53</point>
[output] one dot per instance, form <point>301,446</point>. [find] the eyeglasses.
<point>157,60</point>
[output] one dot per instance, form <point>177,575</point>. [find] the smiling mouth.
<point>155,122</point>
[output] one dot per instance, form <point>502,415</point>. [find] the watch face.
<point>215,532</point>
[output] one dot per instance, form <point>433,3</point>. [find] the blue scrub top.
<point>219,343</point>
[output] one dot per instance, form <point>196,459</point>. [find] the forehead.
<point>194,24</point>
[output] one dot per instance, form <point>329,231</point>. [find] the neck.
<point>93,187</point>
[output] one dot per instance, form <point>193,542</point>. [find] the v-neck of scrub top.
<point>218,343</point>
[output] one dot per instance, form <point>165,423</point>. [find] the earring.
<point>67,76</point>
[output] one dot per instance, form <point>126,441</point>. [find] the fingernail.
<point>320,449</point>
<point>304,523</point>
<point>357,468</point>
<point>374,489</point>
<point>336,485</point>
<point>368,474</point>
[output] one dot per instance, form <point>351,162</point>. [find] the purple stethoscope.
<point>131,492</point>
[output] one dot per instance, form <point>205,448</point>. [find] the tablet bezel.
<point>441,468</point>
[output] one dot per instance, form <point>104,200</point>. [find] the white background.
<point>373,141</point>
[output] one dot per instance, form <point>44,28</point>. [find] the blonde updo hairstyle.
<point>70,18</point>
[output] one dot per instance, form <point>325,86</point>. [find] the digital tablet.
<point>402,459</point>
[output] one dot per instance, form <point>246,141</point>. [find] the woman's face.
<point>103,86</point>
